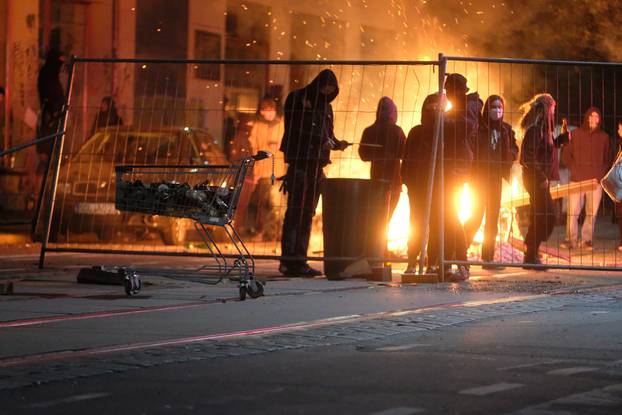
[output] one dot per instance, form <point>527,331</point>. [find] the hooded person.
<point>460,124</point>
<point>51,99</point>
<point>308,138</point>
<point>414,172</point>
<point>107,115</point>
<point>494,152</point>
<point>382,143</point>
<point>540,165</point>
<point>587,157</point>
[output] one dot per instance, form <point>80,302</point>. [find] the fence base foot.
<point>380,274</point>
<point>418,278</point>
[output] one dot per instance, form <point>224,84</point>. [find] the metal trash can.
<point>355,215</point>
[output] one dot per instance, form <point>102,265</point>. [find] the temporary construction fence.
<point>196,115</point>
<point>184,112</point>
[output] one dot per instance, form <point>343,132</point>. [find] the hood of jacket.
<point>586,115</point>
<point>387,110</point>
<point>324,78</point>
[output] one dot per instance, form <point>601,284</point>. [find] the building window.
<point>207,46</point>
<point>248,37</point>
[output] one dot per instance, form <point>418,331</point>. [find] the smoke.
<point>536,29</point>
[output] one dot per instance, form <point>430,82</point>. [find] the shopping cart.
<point>206,194</point>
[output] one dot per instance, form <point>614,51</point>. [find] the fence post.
<point>438,138</point>
<point>57,153</point>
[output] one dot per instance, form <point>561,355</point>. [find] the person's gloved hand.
<point>342,145</point>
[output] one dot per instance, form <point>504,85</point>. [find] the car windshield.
<point>140,148</point>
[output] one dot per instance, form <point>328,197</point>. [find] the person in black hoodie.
<point>494,151</point>
<point>414,172</point>
<point>382,143</point>
<point>540,164</point>
<point>107,115</point>
<point>308,138</point>
<point>51,99</point>
<point>460,125</point>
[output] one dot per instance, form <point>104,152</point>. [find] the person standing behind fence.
<point>460,124</point>
<point>51,99</point>
<point>382,143</point>
<point>494,151</point>
<point>414,172</point>
<point>307,141</point>
<point>107,115</point>
<point>2,96</point>
<point>265,135</point>
<point>540,165</point>
<point>618,206</point>
<point>587,157</point>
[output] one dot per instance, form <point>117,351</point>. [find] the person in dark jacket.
<point>51,99</point>
<point>460,125</point>
<point>540,165</point>
<point>107,115</point>
<point>308,138</point>
<point>587,157</point>
<point>383,144</point>
<point>414,171</point>
<point>494,151</point>
<point>618,209</point>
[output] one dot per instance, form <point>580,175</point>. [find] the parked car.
<point>85,199</point>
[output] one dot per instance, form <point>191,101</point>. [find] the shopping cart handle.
<point>261,154</point>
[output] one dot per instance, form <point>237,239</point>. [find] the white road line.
<point>494,388</point>
<point>400,411</point>
<point>568,371</point>
<point>597,399</point>
<point>527,365</point>
<point>509,274</point>
<point>400,348</point>
<point>70,399</point>
<point>12,269</point>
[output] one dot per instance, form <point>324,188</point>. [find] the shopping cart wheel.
<point>242,293</point>
<point>132,282</point>
<point>254,289</point>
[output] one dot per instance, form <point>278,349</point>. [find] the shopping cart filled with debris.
<point>206,194</point>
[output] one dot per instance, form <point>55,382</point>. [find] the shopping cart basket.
<point>206,194</point>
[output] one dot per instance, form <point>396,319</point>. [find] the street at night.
<point>310,207</point>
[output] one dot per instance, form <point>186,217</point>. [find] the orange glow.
<point>465,204</point>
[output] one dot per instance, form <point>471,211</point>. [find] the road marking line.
<point>571,371</point>
<point>12,269</point>
<point>494,388</point>
<point>527,365</point>
<point>400,411</point>
<point>401,348</point>
<point>597,399</point>
<point>96,351</point>
<point>70,399</point>
<point>100,314</point>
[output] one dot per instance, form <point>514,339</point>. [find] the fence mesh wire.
<point>183,113</point>
<point>132,112</point>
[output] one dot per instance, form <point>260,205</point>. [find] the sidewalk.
<point>50,315</point>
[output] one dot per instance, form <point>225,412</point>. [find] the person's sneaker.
<point>492,266</point>
<point>459,275</point>
<point>587,245</point>
<point>568,244</point>
<point>410,271</point>
<point>528,263</point>
<point>302,271</point>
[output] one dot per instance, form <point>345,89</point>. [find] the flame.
<point>465,204</point>
<point>399,226</point>
<point>224,184</point>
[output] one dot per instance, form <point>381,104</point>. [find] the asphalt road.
<point>558,354</point>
